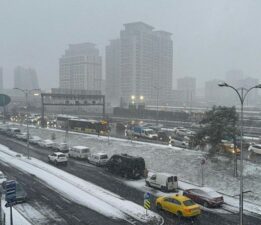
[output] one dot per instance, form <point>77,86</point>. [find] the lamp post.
<point>242,93</point>
<point>26,92</point>
<point>157,103</point>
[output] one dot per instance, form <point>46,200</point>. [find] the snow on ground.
<point>78,190</point>
<point>17,217</point>
<point>181,162</point>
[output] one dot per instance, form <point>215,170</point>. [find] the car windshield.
<point>61,156</point>
<point>86,150</point>
<point>104,157</point>
<point>188,203</point>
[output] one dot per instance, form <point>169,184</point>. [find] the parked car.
<point>179,205</point>
<point>22,136</point>
<point>35,139</point>
<point>12,131</point>
<point>164,136</point>
<point>256,148</point>
<point>205,196</point>
<point>21,195</point>
<point>79,152</point>
<point>58,158</point>
<point>179,143</point>
<point>99,159</point>
<point>47,143</point>
<point>163,181</point>
<point>229,148</point>
<point>127,166</point>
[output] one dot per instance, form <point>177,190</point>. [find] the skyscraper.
<point>146,61</point>
<point>81,68</point>
<point>25,78</point>
<point>187,88</point>
<point>113,75</point>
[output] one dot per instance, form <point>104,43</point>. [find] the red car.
<point>205,196</point>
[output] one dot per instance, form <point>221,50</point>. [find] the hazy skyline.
<point>209,37</point>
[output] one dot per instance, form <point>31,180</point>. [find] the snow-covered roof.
<point>80,147</point>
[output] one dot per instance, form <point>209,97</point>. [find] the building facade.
<point>186,86</point>
<point>113,73</point>
<point>81,68</point>
<point>145,64</point>
<point>25,78</point>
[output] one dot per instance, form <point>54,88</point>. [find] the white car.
<point>256,148</point>
<point>179,143</point>
<point>22,136</point>
<point>47,143</point>
<point>58,158</point>
<point>35,139</point>
<point>99,159</point>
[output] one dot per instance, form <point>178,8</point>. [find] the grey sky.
<point>210,37</point>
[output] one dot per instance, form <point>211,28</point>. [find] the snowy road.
<point>98,176</point>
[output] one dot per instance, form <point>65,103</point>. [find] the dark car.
<point>205,196</point>
<point>21,195</point>
<point>126,166</point>
<point>163,136</point>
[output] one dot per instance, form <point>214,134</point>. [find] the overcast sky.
<point>210,36</point>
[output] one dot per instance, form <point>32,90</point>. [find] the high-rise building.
<point>113,75</point>
<point>81,68</point>
<point>186,86</point>
<point>146,61</point>
<point>25,78</point>
<point>1,79</point>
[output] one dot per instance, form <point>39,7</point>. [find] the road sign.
<point>147,195</point>
<point>9,204</point>
<point>10,191</point>
<point>4,100</point>
<point>147,204</point>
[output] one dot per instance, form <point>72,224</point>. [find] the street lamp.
<point>242,93</point>
<point>26,92</point>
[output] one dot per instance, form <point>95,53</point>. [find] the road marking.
<point>45,198</point>
<point>66,200</point>
<point>76,218</point>
<point>59,207</point>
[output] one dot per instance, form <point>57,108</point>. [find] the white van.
<point>99,159</point>
<point>163,181</point>
<point>80,152</point>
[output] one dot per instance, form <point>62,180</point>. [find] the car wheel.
<point>158,206</point>
<point>206,205</point>
<point>148,183</point>
<point>179,214</point>
<point>162,188</point>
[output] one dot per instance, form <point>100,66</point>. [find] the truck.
<point>141,132</point>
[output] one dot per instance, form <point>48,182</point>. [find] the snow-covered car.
<point>205,196</point>
<point>99,159</point>
<point>58,158</point>
<point>35,139</point>
<point>256,148</point>
<point>47,143</point>
<point>179,143</point>
<point>23,136</point>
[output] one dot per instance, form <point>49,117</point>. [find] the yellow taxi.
<point>179,205</point>
<point>228,147</point>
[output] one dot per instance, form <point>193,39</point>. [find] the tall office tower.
<point>81,68</point>
<point>113,75</point>
<point>187,88</point>
<point>146,63</point>
<point>1,79</point>
<point>25,78</point>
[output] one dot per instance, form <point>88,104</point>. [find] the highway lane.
<point>56,209</point>
<point>104,179</point>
